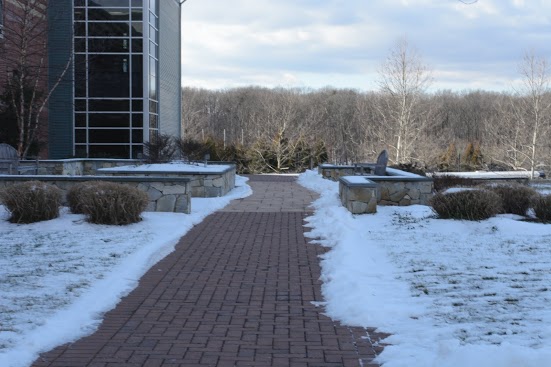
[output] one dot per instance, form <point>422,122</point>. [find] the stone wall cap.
<point>94,178</point>
<point>357,181</point>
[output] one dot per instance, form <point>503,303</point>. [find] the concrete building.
<point>123,83</point>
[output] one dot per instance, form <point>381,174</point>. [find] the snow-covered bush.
<point>467,204</point>
<point>31,201</point>
<point>112,203</point>
<point>542,207</point>
<point>515,198</point>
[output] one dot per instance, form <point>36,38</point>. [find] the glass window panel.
<point>80,75</point>
<point>80,120</point>
<point>136,3</point>
<point>153,6</point>
<point>137,105</point>
<point>108,14</point>
<point>80,14</point>
<point>152,67</point>
<point>137,76</point>
<point>80,151</point>
<point>137,29</point>
<point>109,119</point>
<point>153,134</point>
<point>153,88</point>
<point>80,105</point>
<point>137,151</point>
<point>153,20</point>
<point>153,49</point>
<point>153,121</point>
<point>107,45</point>
<point>80,136</point>
<point>137,120</point>
<point>153,34</point>
<point>153,107</point>
<point>137,14</point>
<point>113,29</point>
<point>137,136</point>
<point>109,76</point>
<point>109,151</point>
<point>80,29</point>
<point>109,105</point>
<point>137,45</point>
<point>108,3</point>
<point>79,3</point>
<point>109,136</point>
<point>80,44</point>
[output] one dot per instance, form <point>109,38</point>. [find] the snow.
<point>57,278</point>
<point>170,167</point>
<point>355,180</point>
<point>490,175</point>
<point>451,293</point>
<point>396,172</point>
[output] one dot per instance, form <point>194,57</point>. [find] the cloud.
<point>307,42</point>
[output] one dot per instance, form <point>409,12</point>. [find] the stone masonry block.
<point>166,203</point>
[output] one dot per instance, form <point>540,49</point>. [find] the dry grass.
<point>31,201</point>
<point>467,204</point>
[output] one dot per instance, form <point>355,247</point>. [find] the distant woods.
<point>449,130</point>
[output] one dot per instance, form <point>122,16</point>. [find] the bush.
<point>542,207</point>
<point>467,204</point>
<point>515,198</point>
<point>160,149</point>
<point>443,182</point>
<point>112,203</point>
<point>31,201</point>
<point>74,196</point>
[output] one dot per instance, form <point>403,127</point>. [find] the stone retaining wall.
<point>357,192</point>
<point>358,198</point>
<point>78,166</point>
<point>335,172</point>
<point>166,194</point>
<point>203,184</point>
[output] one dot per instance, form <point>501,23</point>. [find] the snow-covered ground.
<point>57,278</point>
<point>451,293</point>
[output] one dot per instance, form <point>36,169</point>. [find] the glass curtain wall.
<point>153,69</point>
<point>109,78</point>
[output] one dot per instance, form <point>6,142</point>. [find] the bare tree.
<point>535,105</point>
<point>25,57</point>
<point>403,79</point>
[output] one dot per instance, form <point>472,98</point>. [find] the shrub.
<point>515,198</point>
<point>31,201</point>
<point>74,196</point>
<point>443,182</point>
<point>112,203</point>
<point>160,149</point>
<point>542,207</point>
<point>467,204</point>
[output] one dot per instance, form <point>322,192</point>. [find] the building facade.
<point>123,87</point>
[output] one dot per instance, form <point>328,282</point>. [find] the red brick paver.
<point>237,291</point>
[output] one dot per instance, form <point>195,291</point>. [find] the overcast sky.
<point>342,43</point>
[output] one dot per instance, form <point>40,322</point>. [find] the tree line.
<point>444,130</point>
<point>448,130</point>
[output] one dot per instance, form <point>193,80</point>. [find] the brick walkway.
<point>237,291</point>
